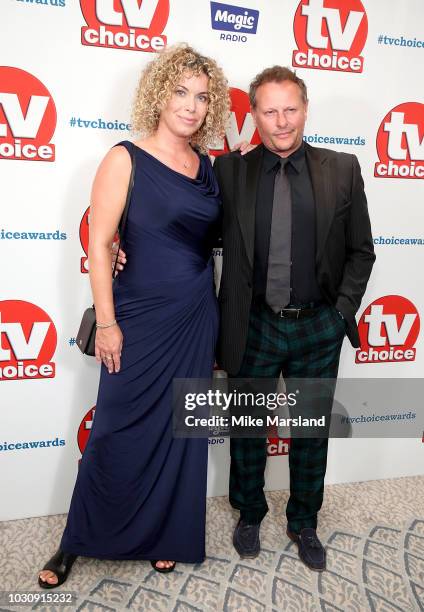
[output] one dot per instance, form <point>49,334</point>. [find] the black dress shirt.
<point>304,286</point>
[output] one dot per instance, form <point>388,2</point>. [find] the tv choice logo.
<point>27,117</point>
<point>28,341</point>
<point>236,19</point>
<point>83,234</point>
<point>84,429</point>
<point>400,143</point>
<point>277,446</point>
<point>330,35</point>
<point>125,24</point>
<point>388,330</point>
<point>241,126</point>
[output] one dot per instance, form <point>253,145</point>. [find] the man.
<point>297,256</point>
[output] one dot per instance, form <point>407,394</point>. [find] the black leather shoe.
<point>163,570</point>
<point>310,549</point>
<point>60,564</point>
<point>246,539</point>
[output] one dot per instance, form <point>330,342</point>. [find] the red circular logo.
<point>125,24</point>
<point>330,34</point>
<point>28,341</point>
<point>83,234</point>
<point>241,126</point>
<point>388,330</point>
<point>400,142</point>
<point>85,428</point>
<point>27,117</point>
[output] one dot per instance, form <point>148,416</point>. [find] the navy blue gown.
<point>140,493</point>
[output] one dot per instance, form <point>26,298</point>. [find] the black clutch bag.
<point>86,336</point>
<point>87,332</point>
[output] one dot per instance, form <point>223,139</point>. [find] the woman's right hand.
<point>244,147</point>
<point>108,347</point>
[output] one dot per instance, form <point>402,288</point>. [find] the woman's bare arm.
<point>107,204</point>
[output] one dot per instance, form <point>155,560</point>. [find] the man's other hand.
<point>122,258</point>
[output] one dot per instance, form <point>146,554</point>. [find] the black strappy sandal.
<point>163,570</point>
<point>60,564</point>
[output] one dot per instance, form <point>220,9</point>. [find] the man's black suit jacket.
<point>344,245</point>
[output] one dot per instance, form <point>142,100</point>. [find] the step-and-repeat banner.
<point>67,80</point>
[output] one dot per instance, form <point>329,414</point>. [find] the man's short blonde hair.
<point>276,74</point>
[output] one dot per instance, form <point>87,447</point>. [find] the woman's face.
<point>185,112</point>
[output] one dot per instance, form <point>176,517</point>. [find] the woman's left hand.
<point>109,347</point>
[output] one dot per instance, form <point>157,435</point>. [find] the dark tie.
<point>279,259</point>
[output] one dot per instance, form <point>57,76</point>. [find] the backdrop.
<point>67,79</point>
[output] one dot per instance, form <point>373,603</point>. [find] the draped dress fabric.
<point>140,493</point>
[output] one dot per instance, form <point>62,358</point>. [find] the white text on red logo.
<point>388,330</point>
<point>240,127</point>
<point>27,117</point>
<point>400,143</point>
<point>330,38</point>
<point>27,341</point>
<point>135,26</point>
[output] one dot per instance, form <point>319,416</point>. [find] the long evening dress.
<point>140,493</point>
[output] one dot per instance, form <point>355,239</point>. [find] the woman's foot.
<point>56,570</point>
<point>164,567</point>
<point>48,577</point>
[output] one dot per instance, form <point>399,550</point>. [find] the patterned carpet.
<point>373,531</point>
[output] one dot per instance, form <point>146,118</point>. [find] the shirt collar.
<point>297,159</point>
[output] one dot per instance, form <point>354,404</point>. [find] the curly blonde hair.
<point>157,83</point>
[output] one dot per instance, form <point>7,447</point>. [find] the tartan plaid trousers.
<point>297,348</point>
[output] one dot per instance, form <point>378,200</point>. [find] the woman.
<point>140,494</point>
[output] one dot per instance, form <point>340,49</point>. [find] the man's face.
<point>280,115</point>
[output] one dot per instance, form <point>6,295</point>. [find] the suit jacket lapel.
<point>249,169</point>
<point>323,184</point>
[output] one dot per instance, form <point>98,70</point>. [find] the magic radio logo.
<point>234,21</point>
<point>28,341</point>
<point>388,331</point>
<point>125,24</point>
<point>240,125</point>
<point>330,35</point>
<point>400,143</point>
<point>27,117</point>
